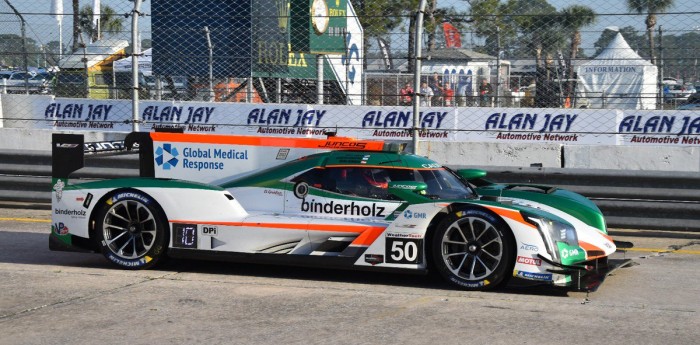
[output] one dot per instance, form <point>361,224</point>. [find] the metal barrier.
<point>654,200</point>
<point>25,176</point>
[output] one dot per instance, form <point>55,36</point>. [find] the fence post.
<point>416,73</point>
<point>135,51</point>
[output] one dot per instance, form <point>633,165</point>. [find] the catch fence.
<point>479,53</point>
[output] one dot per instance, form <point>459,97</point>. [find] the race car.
<point>334,202</point>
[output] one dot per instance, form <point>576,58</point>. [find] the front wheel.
<point>473,250</point>
<point>131,231</point>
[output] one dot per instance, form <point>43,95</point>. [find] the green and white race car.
<point>332,202</point>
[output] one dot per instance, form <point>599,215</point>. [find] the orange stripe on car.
<point>368,233</point>
<point>591,250</point>
<point>331,165</point>
<point>309,143</point>
<point>512,214</point>
<point>368,236</point>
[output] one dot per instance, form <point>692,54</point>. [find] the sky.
<point>683,17</point>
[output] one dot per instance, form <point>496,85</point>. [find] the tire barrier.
<point>651,200</point>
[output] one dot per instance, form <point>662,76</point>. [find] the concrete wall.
<point>492,154</point>
<point>663,158</point>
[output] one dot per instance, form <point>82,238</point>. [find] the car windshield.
<point>373,182</point>
<point>442,184</point>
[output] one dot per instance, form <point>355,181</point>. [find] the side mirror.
<point>408,190</point>
<point>471,174</point>
<point>474,176</point>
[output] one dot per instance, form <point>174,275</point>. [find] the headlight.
<point>553,231</point>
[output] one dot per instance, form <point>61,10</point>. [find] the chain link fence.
<point>477,54</point>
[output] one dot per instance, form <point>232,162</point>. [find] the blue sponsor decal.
<point>60,229</point>
<point>401,119</point>
<point>130,195</point>
<point>74,111</point>
<point>418,215</point>
<point>526,122</point>
<point>280,116</point>
<point>535,276</point>
<point>166,156</point>
<point>666,124</point>
<point>197,158</point>
<point>157,113</point>
<point>352,50</point>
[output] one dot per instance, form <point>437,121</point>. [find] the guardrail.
<point>654,200</point>
<point>25,176</point>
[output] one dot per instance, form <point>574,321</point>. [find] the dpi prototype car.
<point>333,202</point>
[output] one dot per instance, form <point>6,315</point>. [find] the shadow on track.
<point>32,249</point>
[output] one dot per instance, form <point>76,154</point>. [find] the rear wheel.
<point>473,250</point>
<point>131,231</point>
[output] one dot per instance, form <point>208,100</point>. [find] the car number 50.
<point>403,251</point>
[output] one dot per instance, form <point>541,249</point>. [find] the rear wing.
<point>68,152</point>
<point>202,157</point>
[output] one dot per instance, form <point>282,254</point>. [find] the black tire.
<point>473,250</point>
<point>131,230</point>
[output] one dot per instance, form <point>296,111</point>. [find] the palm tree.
<point>651,8</point>
<point>110,21</point>
<point>76,24</point>
<point>572,19</point>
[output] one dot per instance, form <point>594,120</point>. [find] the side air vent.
<point>281,248</point>
<point>333,245</point>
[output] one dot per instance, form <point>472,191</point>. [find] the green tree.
<point>52,51</point>
<point>76,24</point>
<point>572,19</point>
<point>490,20</point>
<point>11,50</point>
<point>110,21</point>
<point>651,8</point>
<point>380,17</point>
<point>680,55</point>
<point>539,28</point>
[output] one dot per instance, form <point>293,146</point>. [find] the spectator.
<point>462,95</point>
<point>448,94</point>
<point>485,91</point>
<point>406,97</point>
<point>426,94</point>
<point>437,90</point>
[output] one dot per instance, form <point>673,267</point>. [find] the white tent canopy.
<point>618,78</point>
<point>124,65</point>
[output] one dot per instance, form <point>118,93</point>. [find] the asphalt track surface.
<point>71,298</point>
